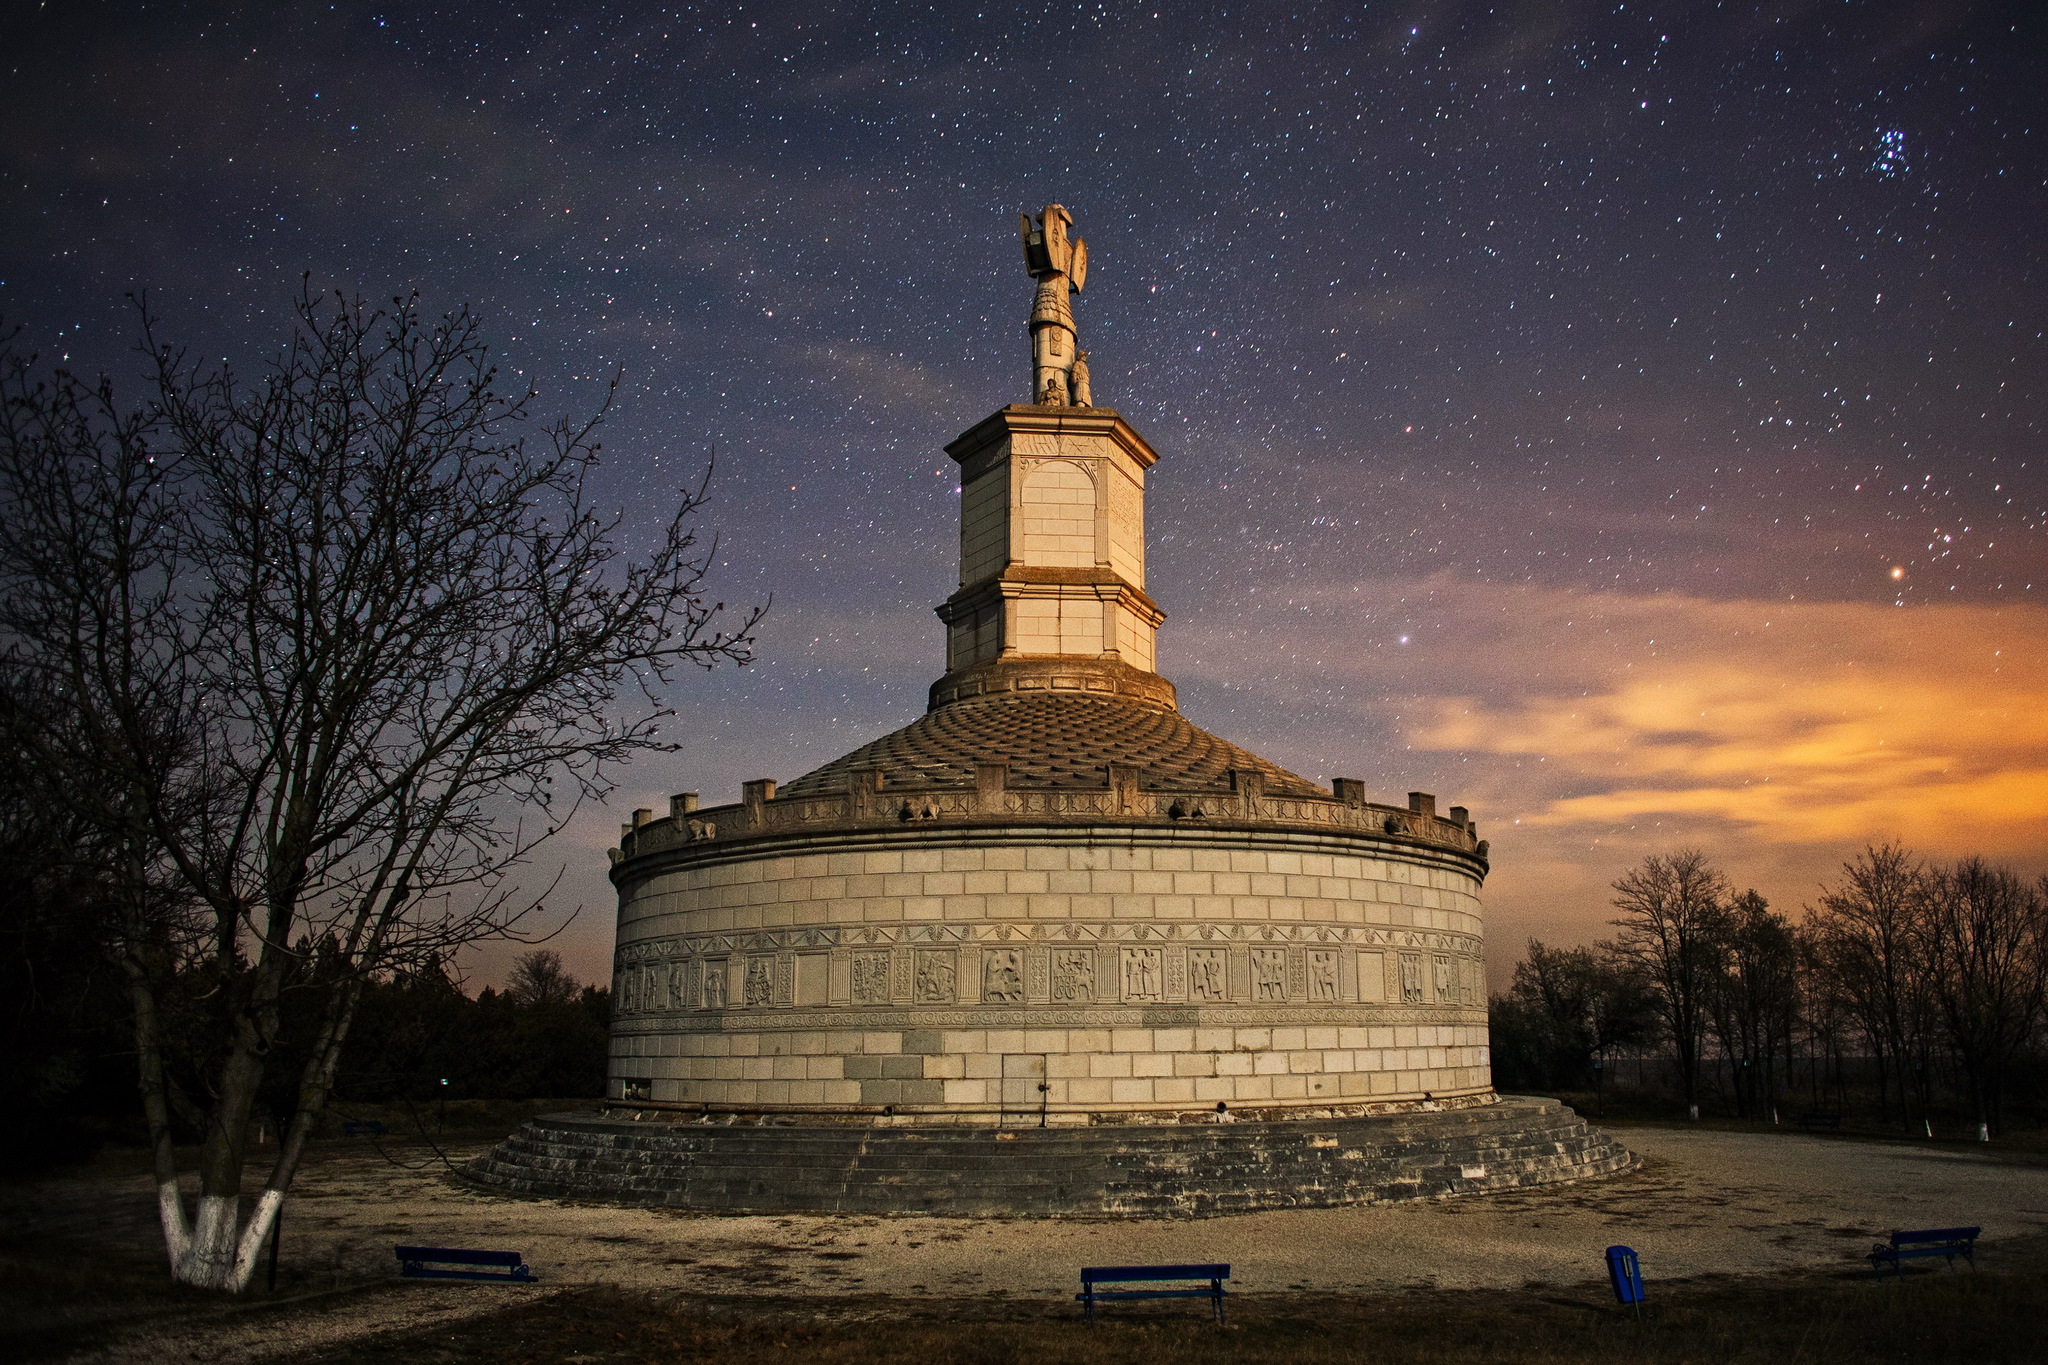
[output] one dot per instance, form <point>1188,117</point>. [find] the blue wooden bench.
<point>363,1128</point>
<point>1096,1275</point>
<point>1947,1243</point>
<point>450,1263</point>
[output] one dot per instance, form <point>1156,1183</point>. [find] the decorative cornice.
<point>1052,421</point>
<point>1053,673</point>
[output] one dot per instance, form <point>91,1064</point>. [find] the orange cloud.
<point>1836,721</point>
<point>1586,729</point>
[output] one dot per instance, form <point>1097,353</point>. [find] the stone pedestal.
<point>1133,1171</point>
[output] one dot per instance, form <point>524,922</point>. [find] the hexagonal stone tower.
<point>1051,913</point>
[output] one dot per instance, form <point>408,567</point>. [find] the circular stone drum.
<point>1123,919</point>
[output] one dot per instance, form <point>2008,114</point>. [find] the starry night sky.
<point>1624,420</point>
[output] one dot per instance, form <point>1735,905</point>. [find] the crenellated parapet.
<point>871,801</point>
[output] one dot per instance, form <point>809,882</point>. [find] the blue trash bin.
<point>1626,1274</point>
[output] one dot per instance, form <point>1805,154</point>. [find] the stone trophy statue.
<point>1059,367</point>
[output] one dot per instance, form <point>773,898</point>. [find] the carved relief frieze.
<point>1083,962</point>
<point>1102,1015</point>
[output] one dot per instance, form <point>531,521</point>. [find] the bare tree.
<point>1984,935</point>
<point>1569,1007</point>
<point>1869,937</point>
<point>322,656</point>
<point>1755,998</point>
<point>538,978</point>
<point>1674,927</point>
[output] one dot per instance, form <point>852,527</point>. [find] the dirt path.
<point>1704,1202</point>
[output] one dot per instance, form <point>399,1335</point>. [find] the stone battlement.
<point>873,801</point>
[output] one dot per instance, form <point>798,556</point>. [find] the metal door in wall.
<point>1024,1090</point>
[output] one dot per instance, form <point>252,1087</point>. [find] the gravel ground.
<point>1704,1202</point>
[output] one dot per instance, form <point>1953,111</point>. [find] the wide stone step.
<point>1122,1170</point>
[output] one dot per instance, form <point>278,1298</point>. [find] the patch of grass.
<point>1933,1316</point>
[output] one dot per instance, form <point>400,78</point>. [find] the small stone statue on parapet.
<point>1059,368</point>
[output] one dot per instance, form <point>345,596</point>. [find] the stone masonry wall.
<point>1127,974</point>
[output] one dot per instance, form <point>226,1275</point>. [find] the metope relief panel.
<point>871,977</point>
<point>934,981</point>
<point>1002,976</point>
<point>1322,975</point>
<point>1269,975</point>
<point>1209,975</point>
<point>717,976</point>
<point>759,986</point>
<point>1143,973</point>
<point>1073,976</point>
<point>1411,978</point>
<point>1372,978</point>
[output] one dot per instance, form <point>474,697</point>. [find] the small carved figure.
<point>1206,981</point>
<point>714,984</point>
<point>1446,988</point>
<point>1411,979</point>
<point>1060,265</point>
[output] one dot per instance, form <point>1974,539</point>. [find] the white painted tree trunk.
<point>215,1249</point>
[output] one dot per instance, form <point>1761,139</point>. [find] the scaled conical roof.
<point>1053,740</point>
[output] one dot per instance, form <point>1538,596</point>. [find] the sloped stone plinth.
<point>1125,1170</point>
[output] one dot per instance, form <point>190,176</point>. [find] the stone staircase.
<point>1132,1171</point>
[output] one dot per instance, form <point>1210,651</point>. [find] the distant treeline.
<point>1915,990</point>
<point>68,1060</point>
<point>419,1036</point>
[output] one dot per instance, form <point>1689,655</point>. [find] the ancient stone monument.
<point>1050,947</point>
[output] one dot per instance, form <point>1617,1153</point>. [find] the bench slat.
<point>1110,1274</point>
<point>1936,1235</point>
<point>418,1272</point>
<point>457,1256</point>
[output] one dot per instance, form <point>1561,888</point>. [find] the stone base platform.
<point>1116,1171</point>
